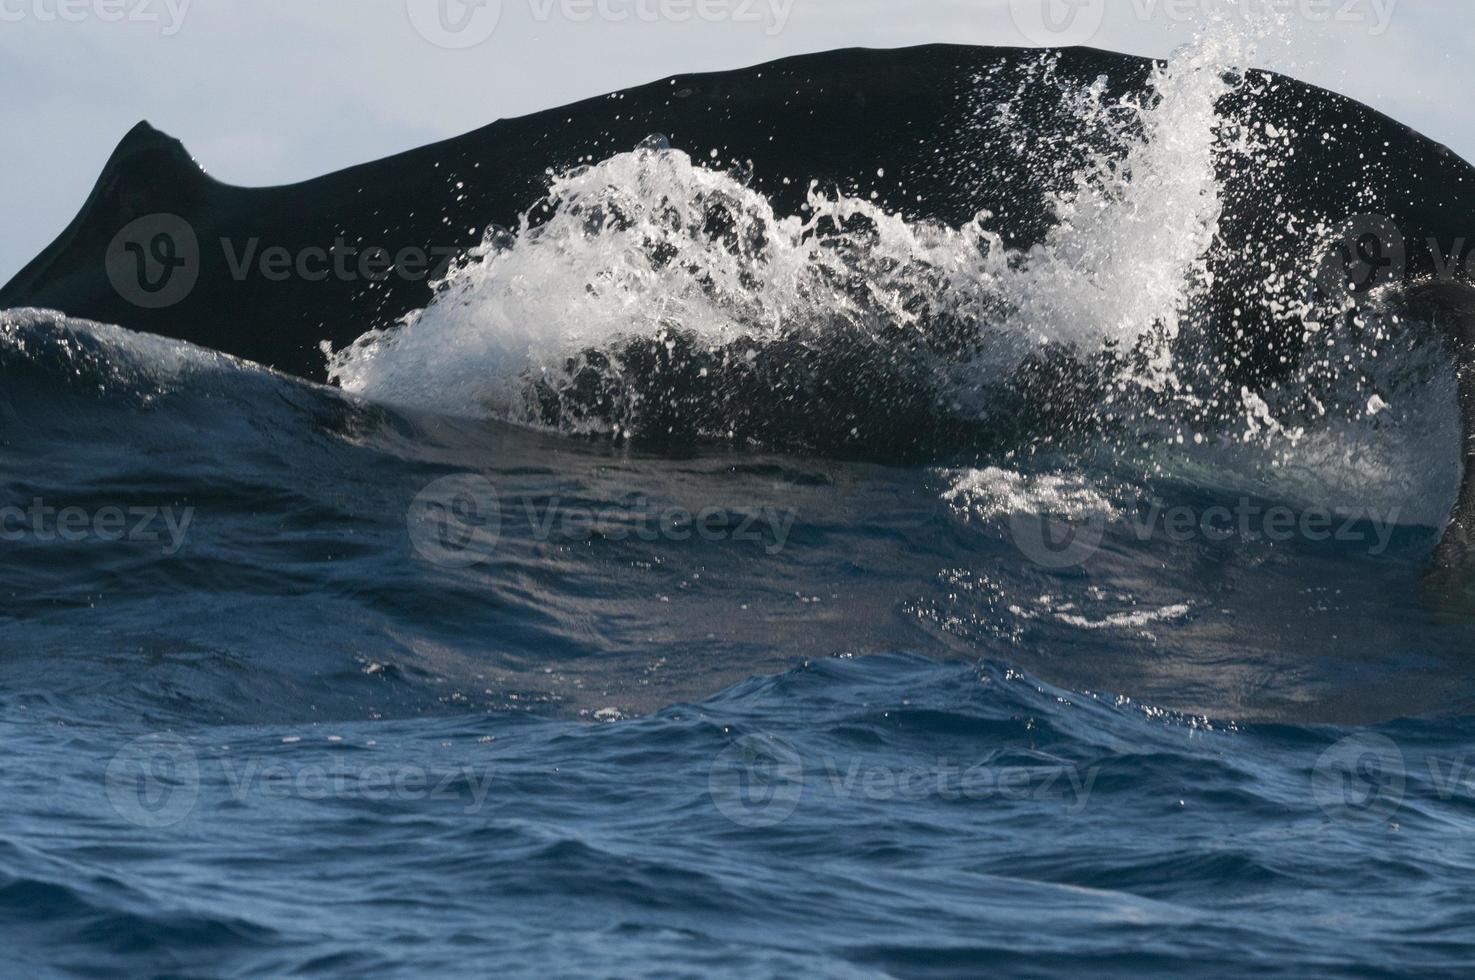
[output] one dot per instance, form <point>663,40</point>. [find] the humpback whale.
<point>1347,209</point>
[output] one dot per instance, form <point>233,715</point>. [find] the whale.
<point>1348,209</point>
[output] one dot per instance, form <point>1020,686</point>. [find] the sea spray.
<point>650,295</point>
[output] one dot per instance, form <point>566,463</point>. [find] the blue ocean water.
<point>296,685</point>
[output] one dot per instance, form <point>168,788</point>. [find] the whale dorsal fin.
<point>144,140</point>
<point>148,172</point>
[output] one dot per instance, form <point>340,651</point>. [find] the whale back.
<point>841,119</point>
<point>914,127</point>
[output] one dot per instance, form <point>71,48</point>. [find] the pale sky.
<point>273,91</point>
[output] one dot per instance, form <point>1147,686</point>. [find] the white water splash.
<point>992,492</point>
<point>628,253</point>
<point>624,250</point>
<point>1134,234</point>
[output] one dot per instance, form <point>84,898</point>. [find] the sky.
<point>276,91</point>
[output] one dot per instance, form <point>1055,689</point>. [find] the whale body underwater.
<point>1347,211</point>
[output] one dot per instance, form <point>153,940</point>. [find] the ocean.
<point>311,709</point>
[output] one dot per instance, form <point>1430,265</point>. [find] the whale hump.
<point>838,119</point>
<point>149,172</point>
